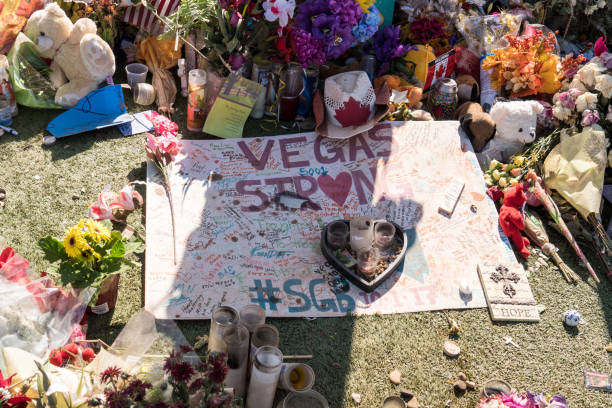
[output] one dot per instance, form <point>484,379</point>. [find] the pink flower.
<point>163,126</point>
<point>102,210</point>
<point>516,401</point>
<point>589,117</point>
<point>125,199</point>
<point>162,149</point>
<point>600,46</point>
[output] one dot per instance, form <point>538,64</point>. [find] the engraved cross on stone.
<point>502,273</point>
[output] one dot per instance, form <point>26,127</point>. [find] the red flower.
<point>218,370</point>
<point>55,358</point>
<point>88,354</point>
<point>16,401</point>
<point>69,351</point>
<point>111,374</point>
<point>179,370</point>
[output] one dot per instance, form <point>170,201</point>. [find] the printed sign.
<point>249,216</point>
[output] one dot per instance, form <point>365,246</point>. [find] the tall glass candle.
<point>264,377</point>
<point>252,316</point>
<point>222,318</point>
<point>236,338</point>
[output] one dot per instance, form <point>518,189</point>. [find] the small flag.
<point>441,67</point>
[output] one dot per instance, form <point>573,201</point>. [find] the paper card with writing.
<point>232,107</point>
<point>508,292</point>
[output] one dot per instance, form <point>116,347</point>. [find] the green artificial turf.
<point>351,355</point>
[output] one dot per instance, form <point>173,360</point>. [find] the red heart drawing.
<point>337,189</point>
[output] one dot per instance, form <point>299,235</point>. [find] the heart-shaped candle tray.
<point>347,265</point>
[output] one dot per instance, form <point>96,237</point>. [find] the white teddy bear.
<point>515,123</point>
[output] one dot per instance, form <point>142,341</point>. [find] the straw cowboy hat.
<point>349,105</point>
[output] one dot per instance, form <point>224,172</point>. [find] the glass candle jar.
<point>309,399</point>
<point>222,318</point>
<point>384,232</point>
<point>362,233</point>
<point>236,338</point>
<point>264,377</point>
<point>291,87</point>
<point>337,234</point>
<point>367,261</point>
<point>252,316</point>
<point>443,99</point>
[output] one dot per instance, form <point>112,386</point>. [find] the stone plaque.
<point>508,293</point>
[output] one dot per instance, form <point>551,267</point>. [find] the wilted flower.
<point>589,117</point>
<point>587,100</point>
<point>603,83</point>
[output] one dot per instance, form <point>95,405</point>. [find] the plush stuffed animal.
<point>476,123</point>
<point>467,88</point>
<point>515,123</point>
<point>511,218</point>
<point>81,60</point>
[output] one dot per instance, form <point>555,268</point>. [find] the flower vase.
<point>107,296</point>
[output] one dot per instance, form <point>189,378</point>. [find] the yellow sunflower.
<point>97,230</point>
<point>88,254</point>
<point>74,242</point>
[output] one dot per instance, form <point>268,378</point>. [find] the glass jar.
<point>252,316</point>
<point>222,318</point>
<point>264,335</point>
<point>196,100</point>
<point>443,99</point>
<point>264,377</point>
<point>309,399</point>
<point>292,85</point>
<point>236,339</point>
<point>361,232</point>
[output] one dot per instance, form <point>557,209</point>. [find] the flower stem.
<point>169,192</point>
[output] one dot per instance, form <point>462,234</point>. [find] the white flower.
<point>496,174</point>
<point>587,73</point>
<point>603,83</point>
<point>609,115</point>
<point>585,101</point>
<point>279,9</point>
<point>601,3</point>
<point>577,84</point>
<point>503,182</point>
<point>561,112</point>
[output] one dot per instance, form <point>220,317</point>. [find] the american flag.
<point>144,19</point>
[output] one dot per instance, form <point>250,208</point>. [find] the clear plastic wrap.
<point>35,315</point>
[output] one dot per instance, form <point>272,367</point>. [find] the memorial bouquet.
<point>585,97</point>
<point>528,400</point>
<point>89,253</point>
<point>527,66</point>
<point>162,148</point>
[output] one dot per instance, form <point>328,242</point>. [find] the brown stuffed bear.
<point>467,88</point>
<point>476,123</point>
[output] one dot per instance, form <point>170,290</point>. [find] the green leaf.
<point>134,247</point>
<point>53,249</point>
<point>118,250</point>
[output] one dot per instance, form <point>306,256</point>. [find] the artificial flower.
<point>162,149</point>
<point>387,46</point>
<point>348,11</point>
<point>600,46</point>
<point>589,117</point>
<point>74,242</point>
<point>365,4</point>
<point>368,25</point>
<point>101,210</point>
<point>281,10</point>
<point>308,50</point>
<point>162,125</point>
<point>526,66</point>
<point>124,201</point>
<point>603,83</point>
<point>587,100</point>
